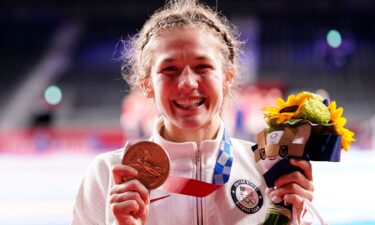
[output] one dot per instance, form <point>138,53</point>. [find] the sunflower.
<point>339,122</point>
<point>309,106</point>
<point>290,109</point>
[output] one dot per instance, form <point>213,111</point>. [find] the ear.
<point>228,80</point>
<point>147,88</point>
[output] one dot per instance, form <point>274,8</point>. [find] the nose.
<point>187,80</point>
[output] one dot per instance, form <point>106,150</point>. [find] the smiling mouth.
<point>189,103</point>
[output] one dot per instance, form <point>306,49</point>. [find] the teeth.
<point>189,103</point>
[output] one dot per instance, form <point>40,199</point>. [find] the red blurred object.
<point>47,140</point>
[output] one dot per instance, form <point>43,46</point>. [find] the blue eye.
<point>202,68</point>
<point>169,70</point>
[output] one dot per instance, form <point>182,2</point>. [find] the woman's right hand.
<point>129,198</point>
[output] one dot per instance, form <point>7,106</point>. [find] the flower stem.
<point>278,214</point>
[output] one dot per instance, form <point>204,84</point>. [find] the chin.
<point>195,123</point>
<point>190,125</point>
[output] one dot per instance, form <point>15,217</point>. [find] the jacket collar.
<point>184,155</point>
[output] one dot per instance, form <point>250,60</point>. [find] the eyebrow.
<point>200,58</point>
<point>168,60</point>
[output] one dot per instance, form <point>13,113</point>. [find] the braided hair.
<point>177,14</point>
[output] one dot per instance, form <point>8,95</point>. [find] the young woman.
<point>185,59</point>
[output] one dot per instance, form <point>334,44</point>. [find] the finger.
<point>126,219</point>
<point>132,185</point>
<point>120,209</point>
<point>294,189</point>
<point>298,206</point>
<point>269,190</point>
<point>304,165</point>
<point>295,177</point>
<point>295,200</point>
<point>128,196</point>
<point>123,173</point>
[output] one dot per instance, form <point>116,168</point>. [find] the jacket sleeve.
<point>90,202</point>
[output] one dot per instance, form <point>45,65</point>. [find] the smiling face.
<point>187,79</point>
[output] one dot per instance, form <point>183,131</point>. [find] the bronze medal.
<point>150,160</point>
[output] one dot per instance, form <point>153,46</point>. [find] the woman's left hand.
<point>293,188</point>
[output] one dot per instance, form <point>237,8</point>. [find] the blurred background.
<point>63,99</point>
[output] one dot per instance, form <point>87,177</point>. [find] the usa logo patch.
<point>247,196</point>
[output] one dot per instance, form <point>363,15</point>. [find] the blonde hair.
<point>177,14</point>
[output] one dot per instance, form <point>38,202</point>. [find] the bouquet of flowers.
<point>305,126</point>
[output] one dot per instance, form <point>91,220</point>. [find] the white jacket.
<point>241,201</point>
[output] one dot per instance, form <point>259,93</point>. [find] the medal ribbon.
<point>224,161</point>
<point>196,188</point>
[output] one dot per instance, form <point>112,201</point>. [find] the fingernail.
<point>276,199</point>
<point>286,203</point>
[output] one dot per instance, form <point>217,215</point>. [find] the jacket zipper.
<point>199,200</point>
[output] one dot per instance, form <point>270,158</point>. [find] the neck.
<point>206,132</point>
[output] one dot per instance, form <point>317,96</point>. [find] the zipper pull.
<point>198,156</point>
